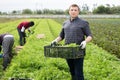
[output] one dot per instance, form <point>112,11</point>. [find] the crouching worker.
<point>6,44</point>
<point>21,31</point>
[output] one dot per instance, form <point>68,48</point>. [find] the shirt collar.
<point>74,19</point>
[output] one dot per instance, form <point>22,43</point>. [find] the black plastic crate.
<point>20,79</point>
<point>63,52</point>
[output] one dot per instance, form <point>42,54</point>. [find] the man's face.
<point>74,12</point>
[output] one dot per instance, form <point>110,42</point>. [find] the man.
<point>6,41</point>
<point>74,31</point>
<point>21,30</point>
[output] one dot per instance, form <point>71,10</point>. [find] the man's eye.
<point>73,10</point>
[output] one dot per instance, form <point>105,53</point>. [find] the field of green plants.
<point>30,62</point>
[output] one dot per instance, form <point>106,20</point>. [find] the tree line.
<point>107,10</point>
<point>85,10</point>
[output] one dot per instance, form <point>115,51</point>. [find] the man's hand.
<point>32,32</point>
<point>29,30</point>
<point>83,44</point>
<point>54,43</point>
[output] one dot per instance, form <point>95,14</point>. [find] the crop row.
<point>106,34</point>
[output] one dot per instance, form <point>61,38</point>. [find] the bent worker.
<point>6,44</point>
<point>21,31</point>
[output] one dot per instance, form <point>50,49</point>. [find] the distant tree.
<point>38,11</point>
<point>115,10</point>
<point>102,10</point>
<point>46,11</point>
<point>27,11</point>
<point>0,12</point>
<point>99,10</point>
<point>14,12</point>
<point>107,10</point>
<point>67,11</point>
<point>59,11</point>
<point>4,13</point>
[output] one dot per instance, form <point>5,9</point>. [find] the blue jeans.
<point>22,36</point>
<point>76,68</point>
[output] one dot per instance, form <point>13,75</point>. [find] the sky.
<point>10,5</point>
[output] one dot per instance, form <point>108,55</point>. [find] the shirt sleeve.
<point>22,29</point>
<point>62,35</point>
<point>87,30</point>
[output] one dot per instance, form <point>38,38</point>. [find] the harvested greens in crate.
<point>68,52</point>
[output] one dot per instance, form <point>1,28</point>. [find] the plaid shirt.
<point>75,31</point>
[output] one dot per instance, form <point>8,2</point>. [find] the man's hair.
<point>31,23</point>
<point>74,5</point>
